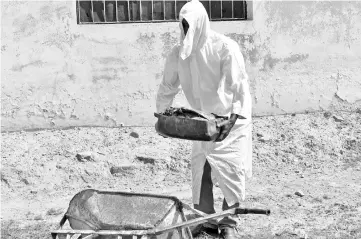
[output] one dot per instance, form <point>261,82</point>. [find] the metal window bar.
<point>140,10</point>
<point>128,2</point>
<point>221,9</point>
<point>116,11</point>
<point>175,10</point>
<point>245,9</point>
<point>232,9</point>
<point>163,10</point>
<point>152,10</point>
<point>210,10</point>
<point>104,15</point>
<point>79,12</point>
<point>92,11</point>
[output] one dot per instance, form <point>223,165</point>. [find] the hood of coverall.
<point>199,28</point>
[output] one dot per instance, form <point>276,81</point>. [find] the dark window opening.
<point>101,11</point>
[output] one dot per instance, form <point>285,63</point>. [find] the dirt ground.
<point>317,156</point>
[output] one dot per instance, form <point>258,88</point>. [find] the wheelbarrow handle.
<point>252,211</point>
<point>200,220</point>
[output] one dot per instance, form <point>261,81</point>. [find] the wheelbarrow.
<point>121,215</point>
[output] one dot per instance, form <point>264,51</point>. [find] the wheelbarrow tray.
<point>118,210</point>
<point>107,214</point>
<point>127,213</point>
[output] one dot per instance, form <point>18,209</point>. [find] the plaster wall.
<point>300,56</point>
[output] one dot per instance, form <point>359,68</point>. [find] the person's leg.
<point>206,200</point>
<point>229,221</point>
<point>206,203</point>
<point>228,224</point>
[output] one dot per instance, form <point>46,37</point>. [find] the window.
<point>101,11</point>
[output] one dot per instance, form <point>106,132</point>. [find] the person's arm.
<point>169,86</point>
<point>236,81</point>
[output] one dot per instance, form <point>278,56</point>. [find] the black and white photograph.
<point>169,119</point>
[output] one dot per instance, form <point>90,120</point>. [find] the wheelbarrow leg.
<point>180,232</point>
<point>75,236</point>
<point>54,236</point>
<point>187,228</point>
<point>89,236</point>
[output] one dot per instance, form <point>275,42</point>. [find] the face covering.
<point>199,28</point>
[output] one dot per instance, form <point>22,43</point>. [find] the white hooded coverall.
<point>210,69</point>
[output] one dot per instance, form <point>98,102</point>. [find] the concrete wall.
<point>301,56</point>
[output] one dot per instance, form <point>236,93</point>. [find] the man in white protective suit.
<point>210,69</point>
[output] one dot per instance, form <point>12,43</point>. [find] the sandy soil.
<point>318,155</point>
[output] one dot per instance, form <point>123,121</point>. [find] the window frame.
<point>247,6</point>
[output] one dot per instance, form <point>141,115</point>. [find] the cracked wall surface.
<point>300,56</point>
